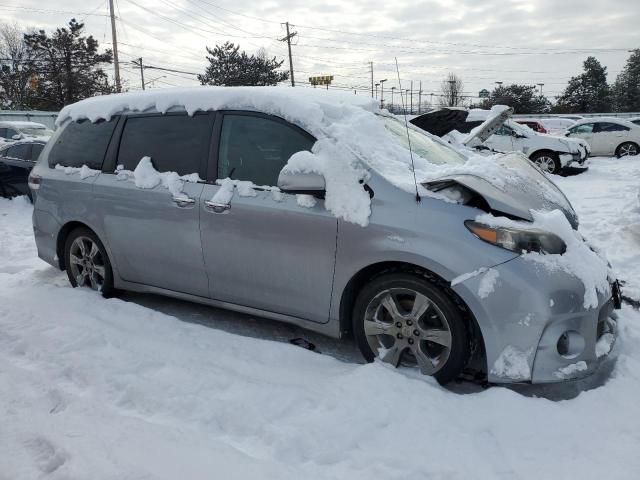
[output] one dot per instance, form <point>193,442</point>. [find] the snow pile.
<point>488,283</point>
<point>109,389</point>
<point>147,177</point>
<point>307,201</point>
<point>84,171</point>
<point>579,260</point>
<point>571,370</point>
<point>514,364</point>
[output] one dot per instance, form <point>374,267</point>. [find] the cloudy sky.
<point>483,41</point>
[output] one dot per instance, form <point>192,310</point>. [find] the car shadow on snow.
<point>344,350</point>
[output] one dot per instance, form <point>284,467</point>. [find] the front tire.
<point>627,149</point>
<point>547,161</point>
<point>406,319</point>
<point>87,263</point>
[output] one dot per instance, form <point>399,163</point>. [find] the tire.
<point>547,161</point>
<point>86,266</point>
<point>627,149</point>
<point>422,310</point>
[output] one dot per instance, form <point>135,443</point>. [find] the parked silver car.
<point>411,286</point>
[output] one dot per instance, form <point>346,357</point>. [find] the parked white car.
<point>608,136</point>
<point>557,125</point>
<point>551,153</point>
<point>12,131</point>
<point>635,120</point>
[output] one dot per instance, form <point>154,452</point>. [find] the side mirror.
<point>566,134</point>
<point>304,183</point>
<point>519,135</point>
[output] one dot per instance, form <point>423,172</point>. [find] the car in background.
<point>14,131</point>
<point>535,125</point>
<point>557,125</point>
<point>550,153</point>
<point>16,161</point>
<point>573,118</point>
<point>608,136</point>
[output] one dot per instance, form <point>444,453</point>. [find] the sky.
<point>482,41</point>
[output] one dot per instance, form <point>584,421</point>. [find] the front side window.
<point>82,143</point>
<point>22,151</point>
<point>611,127</point>
<point>504,130</point>
<point>584,128</point>
<point>175,143</point>
<point>256,148</point>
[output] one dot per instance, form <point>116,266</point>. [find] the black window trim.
<point>111,157</point>
<point>212,169</point>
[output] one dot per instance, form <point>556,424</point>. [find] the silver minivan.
<point>425,283</point>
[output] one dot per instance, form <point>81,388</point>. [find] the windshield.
<point>422,145</point>
<point>36,132</point>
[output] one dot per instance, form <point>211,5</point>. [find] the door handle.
<point>217,207</point>
<point>183,201</point>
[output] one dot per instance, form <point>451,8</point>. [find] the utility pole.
<point>371,65</point>
<point>141,72</point>
<point>420,99</point>
<point>411,97</point>
<point>382,92</point>
<point>288,40</point>
<point>114,41</point>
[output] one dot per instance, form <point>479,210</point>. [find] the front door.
<point>262,248</point>
<point>152,224</point>
<point>585,132</point>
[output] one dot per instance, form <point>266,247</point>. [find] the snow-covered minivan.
<point>551,153</point>
<point>324,211</point>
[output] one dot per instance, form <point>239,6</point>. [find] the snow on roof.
<point>21,124</point>
<point>621,121</point>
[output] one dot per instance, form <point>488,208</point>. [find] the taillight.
<point>34,181</point>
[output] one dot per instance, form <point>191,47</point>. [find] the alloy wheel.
<point>628,149</point>
<point>546,164</point>
<point>403,326</point>
<point>87,263</point>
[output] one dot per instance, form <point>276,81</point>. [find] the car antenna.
<point>406,126</point>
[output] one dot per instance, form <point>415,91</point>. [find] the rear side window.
<point>175,143</point>
<point>82,143</point>
<point>611,127</point>
<point>22,151</point>
<point>584,128</point>
<point>36,148</point>
<point>257,148</point>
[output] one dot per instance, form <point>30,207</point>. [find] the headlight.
<point>518,240</point>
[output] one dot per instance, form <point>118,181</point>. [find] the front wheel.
<point>405,319</point>
<point>87,263</point>
<point>547,162</point>
<point>627,149</point>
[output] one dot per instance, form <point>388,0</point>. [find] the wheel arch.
<point>366,274</point>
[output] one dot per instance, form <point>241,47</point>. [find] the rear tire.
<point>406,319</point>
<point>627,149</point>
<point>87,263</point>
<point>547,162</point>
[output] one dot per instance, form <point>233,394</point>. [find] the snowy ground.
<point>143,387</point>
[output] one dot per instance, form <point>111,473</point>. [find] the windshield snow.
<point>422,145</point>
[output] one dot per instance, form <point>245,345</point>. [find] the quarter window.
<point>175,143</point>
<point>256,148</point>
<point>82,143</point>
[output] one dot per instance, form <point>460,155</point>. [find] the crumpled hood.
<point>517,196</point>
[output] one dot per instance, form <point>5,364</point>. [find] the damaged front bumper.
<point>534,326</point>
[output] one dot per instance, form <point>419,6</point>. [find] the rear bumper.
<point>525,318</point>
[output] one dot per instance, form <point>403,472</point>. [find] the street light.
<point>377,85</point>
<point>406,99</point>
<point>392,90</point>
<point>541,85</point>
<point>382,92</point>
<point>499,84</point>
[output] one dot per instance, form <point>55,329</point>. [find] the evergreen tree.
<point>588,92</point>
<point>67,66</point>
<point>626,89</point>
<point>522,98</point>
<point>230,67</point>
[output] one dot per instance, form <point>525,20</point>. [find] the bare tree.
<point>452,91</point>
<point>16,72</point>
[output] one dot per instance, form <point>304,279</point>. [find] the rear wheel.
<point>547,161</point>
<point>406,320</point>
<point>87,263</point>
<point>627,149</point>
